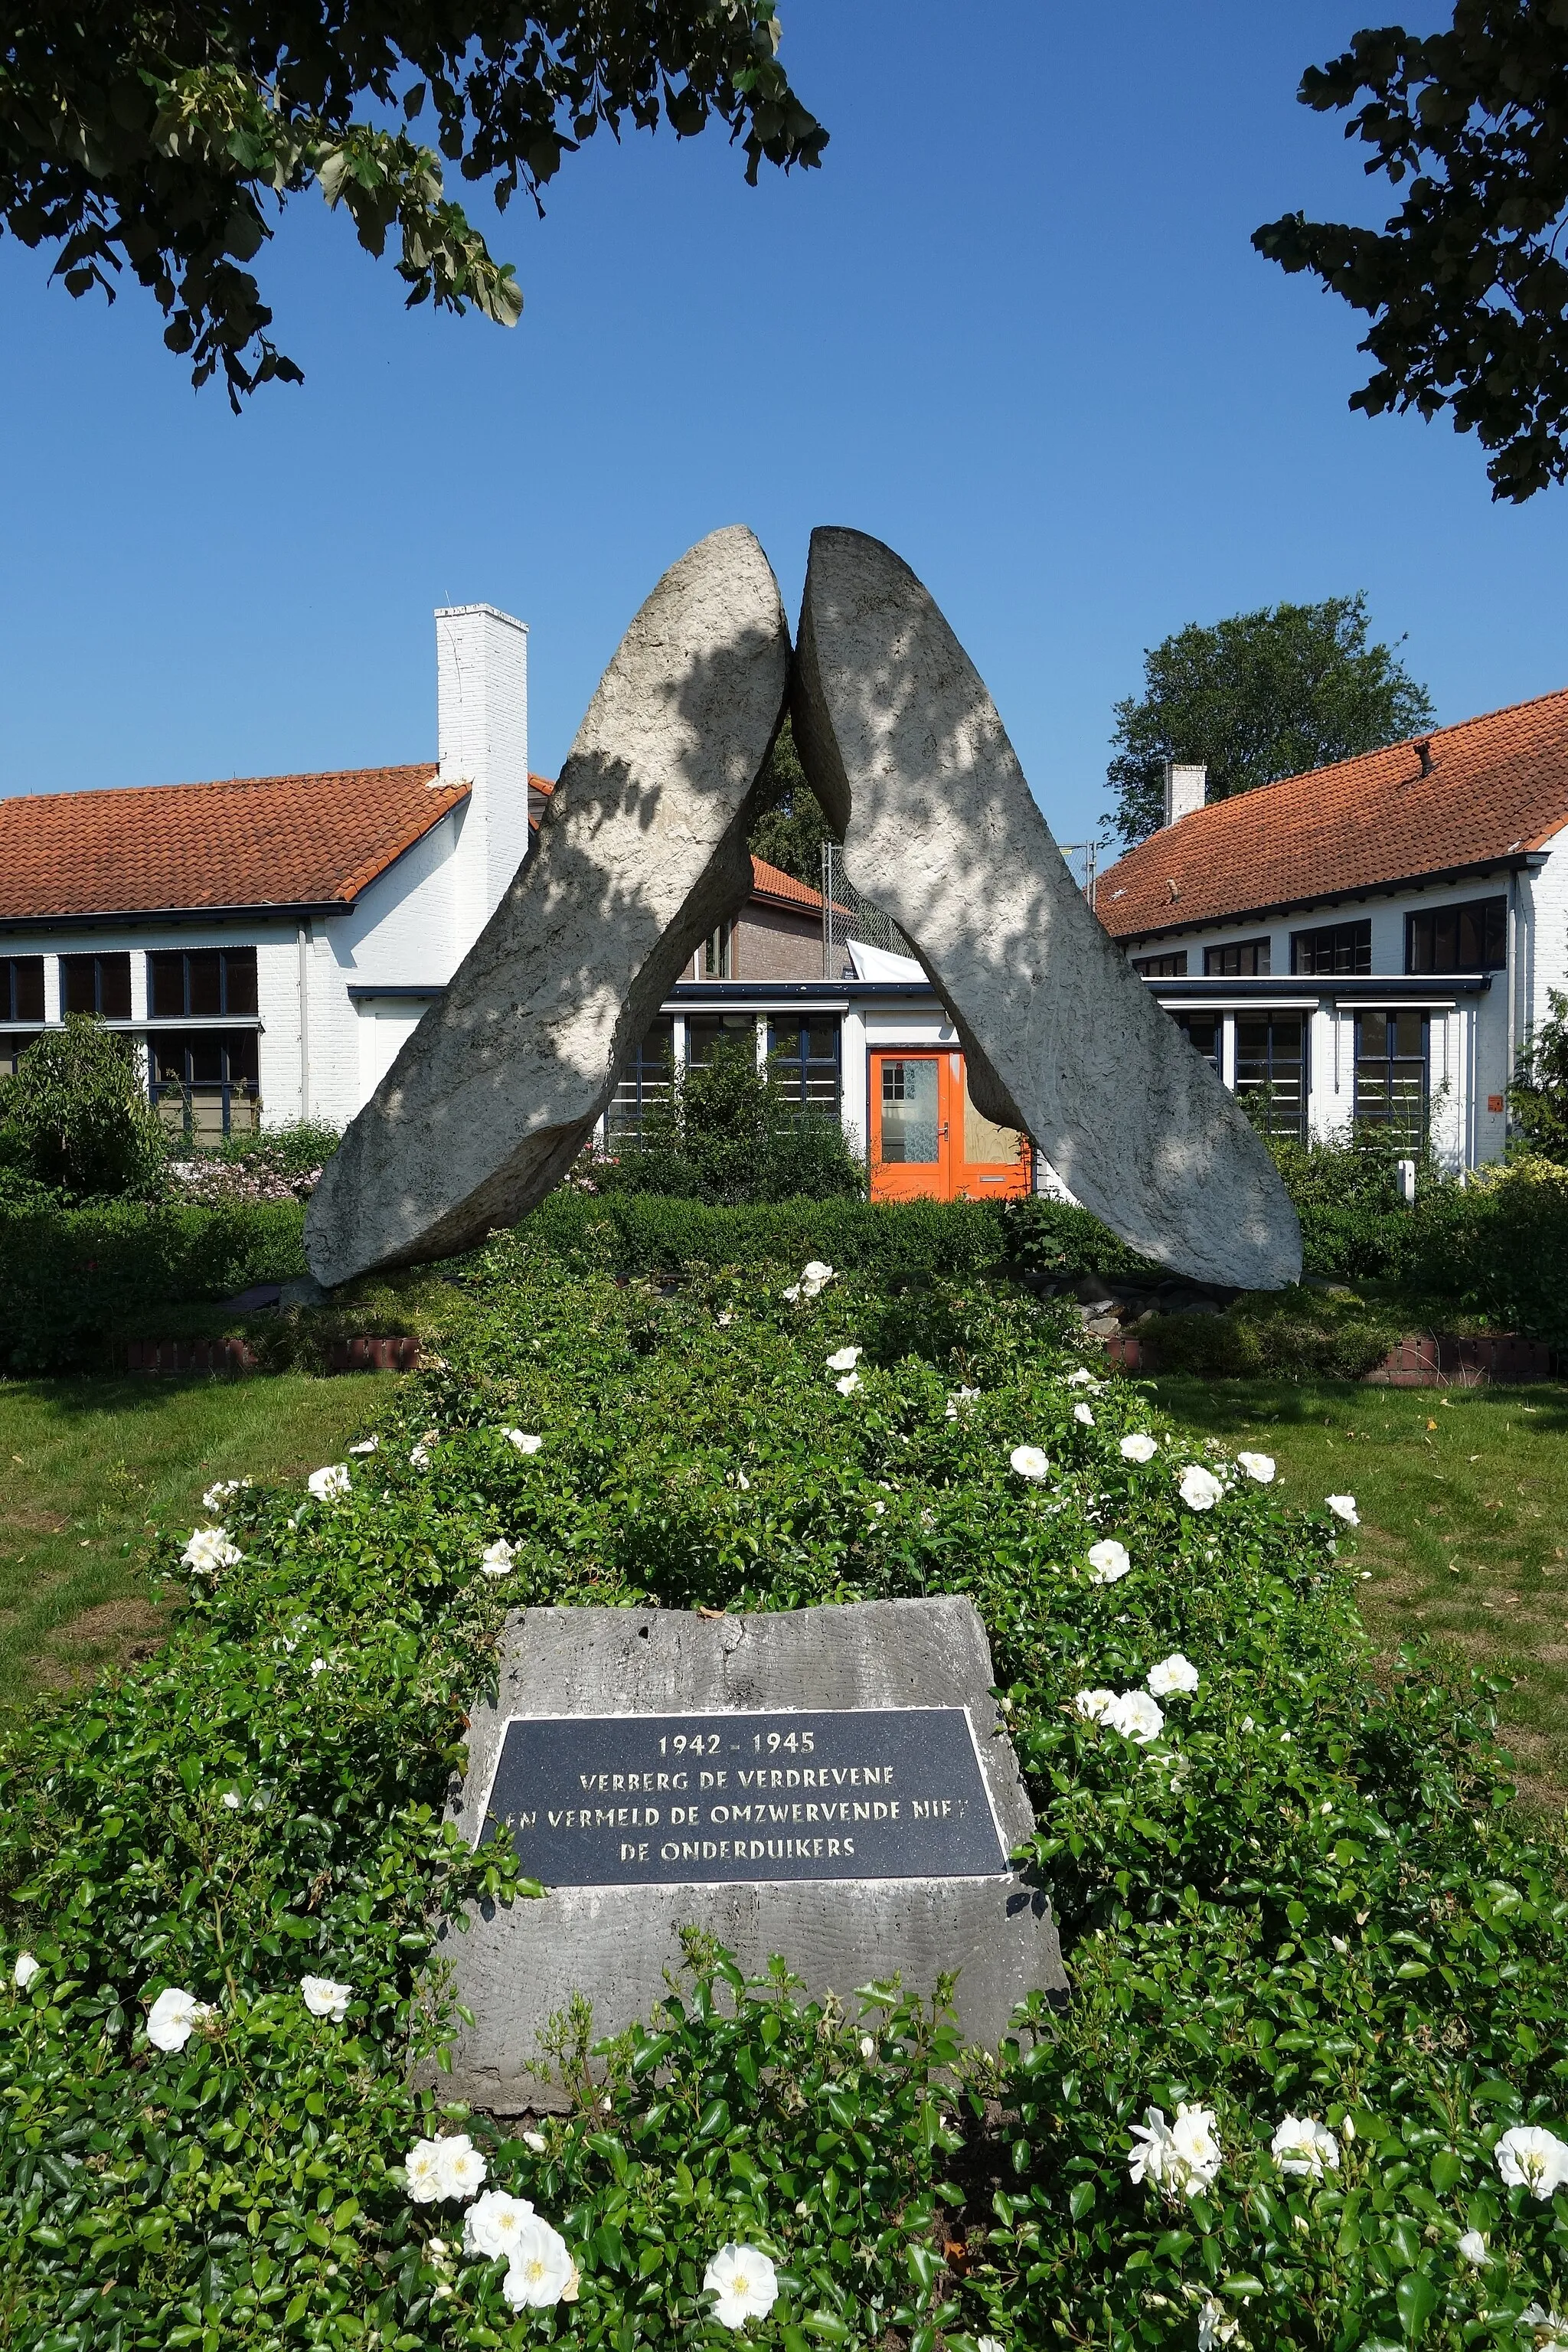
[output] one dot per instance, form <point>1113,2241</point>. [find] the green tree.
<point>1465,285</point>
<point>792,829</point>
<point>137,134</point>
<point>1539,1095</point>
<point>726,1133</point>
<point>1263,695</point>
<point>74,1116</point>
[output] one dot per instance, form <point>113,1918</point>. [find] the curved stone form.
<point>641,853</point>
<point>904,748</point>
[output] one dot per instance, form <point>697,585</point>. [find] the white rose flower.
<point>1344,1507</point>
<point>26,1969</point>
<point>724,1320</point>
<point>173,2018</point>
<point>1082,1379</point>
<point>1137,1717</point>
<point>498,1558</point>
<point>1530,2154</point>
<point>323,1998</point>
<point>988,2344</point>
<point>229,1800</point>
<point>847,1383</point>
<point>845,1359</point>
<point>1108,1561</point>
<point>1472,2247</point>
<point>1195,2147</point>
<point>423,2167</point>
<point>793,1294</point>
<point>1545,2326</point>
<point>419,1456</point>
<point>523,1440</point>
<point>960,1397</point>
<point>817,1272</point>
<point>209,1549</point>
<point>1095,1705</point>
<point>318,1667</point>
<point>1200,1489</point>
<point>541,2271</point>
<point>365,1445</point>
<point>1304,2148</point>
<point>868,2046</point>
<point>462,2166</point>
<point>333,1480</point>
<point>743,2284</point>
<point>1029,1462</point>
<point>493,2226</point>
<point>1216,2326</point>
<point>1260,1466</point>
<point>536,2141</point>
<point>1081,1412</point>
<point>1175,1672</point>
<point>217,1495</point>
<point>1139,1446</point>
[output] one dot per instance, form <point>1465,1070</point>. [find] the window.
<point>12,1048</point>
<point>1170,966</point>
<point>21,988</point>
<point>201,984</point>
<point>644,1079</point>
<point>1472,937</point>
<point>1240,959</point>
<point>806,1055</point>
<point>96,983</point>
<point>1202,1032</point>
<point>716,957</point>
<point>1271,1066</point>
<point>206,1084</point>
<point>1391,1070</point>
<point>704,1030</point>
<point>911,1129</point>
<point>1338,947</point>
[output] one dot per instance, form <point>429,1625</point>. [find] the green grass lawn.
<point>90,1468</point>
<point>1464,1504</point>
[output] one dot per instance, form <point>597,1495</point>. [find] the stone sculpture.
<point>642,854</point>
<point>904,747</point>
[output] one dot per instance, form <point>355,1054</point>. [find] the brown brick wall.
<point>770,943</point>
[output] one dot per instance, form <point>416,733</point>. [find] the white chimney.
<point>481,657</point>
<point>1186,787</point>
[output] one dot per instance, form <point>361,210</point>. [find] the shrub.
<point>725,1133</point>
<point>75,1118</point>
<point>70,1274</point>
<point>1306,1896</point>
<point>274,1163</point>
<point>1538,1099</point>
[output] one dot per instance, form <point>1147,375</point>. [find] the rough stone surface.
<point>515,1967</point>
<point>641,853</point>
<point>904,747</point>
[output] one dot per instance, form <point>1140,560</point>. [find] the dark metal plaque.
<point>673,1800</point>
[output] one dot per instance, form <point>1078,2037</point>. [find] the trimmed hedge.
<point>67,1276</point>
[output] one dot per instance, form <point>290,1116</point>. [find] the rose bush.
<point>1299,1913</point>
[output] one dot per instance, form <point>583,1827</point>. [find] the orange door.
<point>928,1141</point>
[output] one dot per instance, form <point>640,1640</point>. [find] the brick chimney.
<point>481,659</point>
<point>1186,788</point>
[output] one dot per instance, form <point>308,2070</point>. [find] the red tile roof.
<point>773,882</point>
<point>1498,786</point>
<point>256,841</point>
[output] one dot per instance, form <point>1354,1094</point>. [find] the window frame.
<point>1169,966</point>
<point>13,1014</point>
<point>1359,929</point>
<point>1385,1118</point>
<point>244,959</point>
<point>97,959</point>
<point>1294,1122</point>
<point>802,1064</point>
<point>1494,904</point>
<point>1262,951</point>
<point>227,1086</point>
<point>651,1078</point>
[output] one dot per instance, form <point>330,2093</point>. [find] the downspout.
<point>304,1021</point>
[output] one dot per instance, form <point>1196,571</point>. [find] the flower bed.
<point>1308,2088</point>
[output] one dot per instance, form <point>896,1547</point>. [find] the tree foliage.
<point>75,1118</point>
<point>1465,285</point>
<point>1264,695</point>
<point>1538,1098</point>
<point>140,134</point>
<point>794,826</point>
<point>726,1132</point>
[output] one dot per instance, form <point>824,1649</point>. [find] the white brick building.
<point>1370,943</point>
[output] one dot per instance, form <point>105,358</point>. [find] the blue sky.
<point>1013,326</point>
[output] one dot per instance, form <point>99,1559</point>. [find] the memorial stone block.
<point>835,1785</point>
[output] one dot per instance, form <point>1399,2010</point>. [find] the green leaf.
<point>1415,2299</point>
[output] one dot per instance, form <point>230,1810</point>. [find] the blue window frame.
<point>805,1052</point>
<point>644,1079</point>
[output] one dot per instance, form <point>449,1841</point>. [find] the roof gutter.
<point>281,910</point>
<point>1512,862</point>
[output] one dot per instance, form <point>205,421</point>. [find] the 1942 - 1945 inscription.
<point>705,1799</point>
